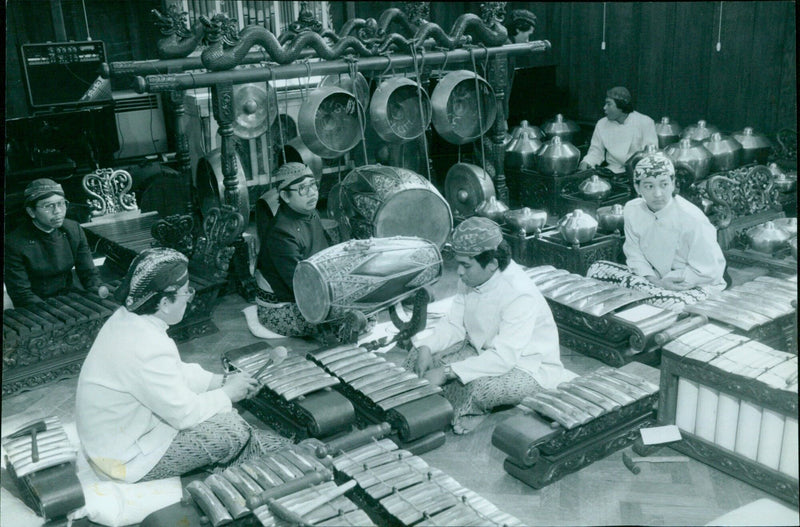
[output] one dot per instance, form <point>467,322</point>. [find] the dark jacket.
<point>39,264</point>
<point>292,237</point>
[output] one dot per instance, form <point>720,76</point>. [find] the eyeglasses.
<point>305,189</point>
<point>189,294</point>
<point>51,207</point>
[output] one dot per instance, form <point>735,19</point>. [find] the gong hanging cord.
<point>478,99</point>
<point>421,111</point>
<point>286,111</point>
<point>389,66</point>
<point>352,66</point>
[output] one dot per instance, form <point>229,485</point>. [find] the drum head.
<point>308,283</point>
<point>415,212</point>
<point>466,187</point>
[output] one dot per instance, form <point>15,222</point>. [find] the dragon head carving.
<point>220,27</point>
<point>173,23</point>
<point>417,13</point>
<point>493,13</point>
<point>306,21</point>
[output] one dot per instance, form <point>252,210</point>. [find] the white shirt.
<point>508,321</point>
<point>135,394</point>
<point>677,242</point>
<point>616,143</point>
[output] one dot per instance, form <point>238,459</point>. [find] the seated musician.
<point>670,246</point>
<point>295,234</point>
<point>141,412</point>
<point>620,134</point>
<point>499,342</point>
<point>41,253</point>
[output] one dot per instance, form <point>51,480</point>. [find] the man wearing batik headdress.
<point>670,246</point>
<point>141,412</point>
<point>498,343</point>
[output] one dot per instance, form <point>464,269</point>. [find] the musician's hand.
<point>655,281</point>
<point>102,291</point>
<point>424,360</point>
<point>675,283</point>
<point>240,386</point>
<point>583,165</point>
<point>436,376</point>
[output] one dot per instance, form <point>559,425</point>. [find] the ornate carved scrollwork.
<point>215,248</point>
<point>175,232</point>
<point>109,191</point>
<point>179,41</point>
<point>746,190</point>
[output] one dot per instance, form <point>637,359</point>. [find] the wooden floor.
<point>605,493</point>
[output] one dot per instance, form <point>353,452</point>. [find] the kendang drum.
<point>382,201</point>
<point>331,122</point>
<point>464,107</point>
<point>364,275</point>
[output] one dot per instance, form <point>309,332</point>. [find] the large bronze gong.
<point>210,186</point>
<point>466,187</point>
<point>256,109</point>
<point>395,110</point>
<point>460,112</point>
<point>330,122</point>
<point>359,88</point>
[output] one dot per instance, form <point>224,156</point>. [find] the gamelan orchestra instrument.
<point>50,340</point>
<point>292,485</point>
<point>121,240</point>
<point>577,423</point>
<point>404,490</point>
<point>364,276</point>
<point>375,200</point>
<point>760,309</point>
<point>735,402</point>
<point>600,319</point>
<point>383,391</point>
<point>41,462</point>
<point>295,397</point>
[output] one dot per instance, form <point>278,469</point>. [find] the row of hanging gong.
<point>332,117</point>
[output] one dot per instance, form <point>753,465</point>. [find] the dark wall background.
<point>663,51</point>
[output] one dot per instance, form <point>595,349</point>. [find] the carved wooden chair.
<point>110,196</point>
<point>209,250</point>
<point>735,201</point>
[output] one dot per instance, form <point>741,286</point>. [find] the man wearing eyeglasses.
<point>40,254</point>
<point>296,233</point>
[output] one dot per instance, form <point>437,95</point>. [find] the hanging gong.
<point>460,112</point>
<point>256,109</point>
<point>395,110</point>
<point>359,88</point>
<point>466,187</point>
<point>330,122</point>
